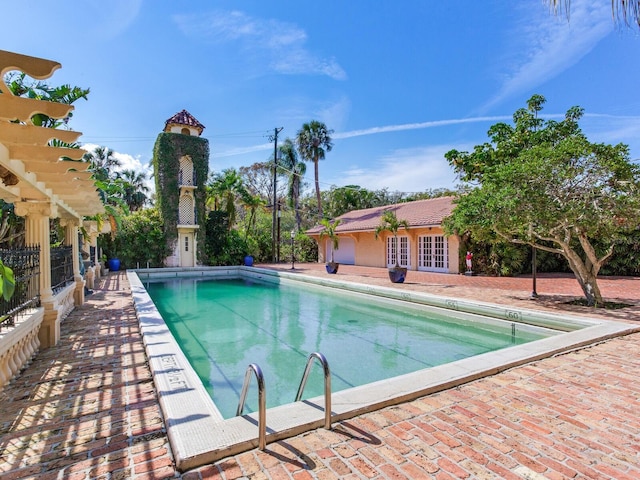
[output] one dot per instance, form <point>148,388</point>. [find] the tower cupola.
<point>185,123</point>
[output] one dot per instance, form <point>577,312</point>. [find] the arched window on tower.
<point>186,211</point>
<point>187,176</point>
<point>185,131</point>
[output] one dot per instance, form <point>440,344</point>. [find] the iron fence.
<point>61,267</point>
<point>25,263</point>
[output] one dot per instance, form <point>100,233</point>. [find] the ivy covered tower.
<point>181,168</point>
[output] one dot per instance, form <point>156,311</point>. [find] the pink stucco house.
<point>422,247</point>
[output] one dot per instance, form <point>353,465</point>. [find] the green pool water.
<point>224,325</point>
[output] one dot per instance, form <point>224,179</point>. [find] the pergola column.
<point>71,238</point>
<point>37,215</point>
<point>92,229</point>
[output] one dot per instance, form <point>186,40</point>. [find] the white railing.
<point>19,343</point>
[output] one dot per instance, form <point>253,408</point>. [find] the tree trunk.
<point>296,205</point>
<point>395,237</point>
<point>591,290</point>
<point>586,278</point>
<point>315,168</point>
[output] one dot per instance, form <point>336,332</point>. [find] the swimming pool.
<point>224,325</point>
<point>199,434</point>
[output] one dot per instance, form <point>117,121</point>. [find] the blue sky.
<point>400,83</point>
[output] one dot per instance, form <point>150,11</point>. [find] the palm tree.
<point>102,163</point>
<point>223,188</point>
<point>390,223</point>
<point>623,11</point>
<point>295,170</point>
<point>330,232</point>
<point>251,203</point>
<point>111,191</point>
<point>314,139</point>
<point>135,188</point>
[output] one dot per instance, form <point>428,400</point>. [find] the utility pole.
<point>275,204</point>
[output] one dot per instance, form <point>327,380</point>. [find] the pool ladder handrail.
<point>327,384</point>
<point>262,402</point>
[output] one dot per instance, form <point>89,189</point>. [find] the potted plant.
<point>330,232</point>
<point>105,265</point>
<point>390,223</point>
<point>114,262</point>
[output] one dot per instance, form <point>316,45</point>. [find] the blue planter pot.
<point>248,261</point>
<point>332,267</point>
<point>397,275</point>
<point>114,264</point>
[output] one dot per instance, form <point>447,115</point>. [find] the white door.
<point>433,255</point>
<point>186,250</point>
<point>404,252</point>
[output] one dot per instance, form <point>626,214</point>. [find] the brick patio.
<point>88,407</point>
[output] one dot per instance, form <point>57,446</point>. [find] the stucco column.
<point>93,242</point>
<point>37,215</point>
<point>93,273</point>
<point>71,238</point>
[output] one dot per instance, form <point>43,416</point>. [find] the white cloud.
<point>128,162</point>
<point>613,129</point>
<point>109,21</point>
<point>333,114</point>
<point>242,150</point>
<point>405,170</point>
<point>280,44</point>
<point>551,45</point>
<point>420,125</point>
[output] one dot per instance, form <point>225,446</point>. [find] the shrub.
<point>140,240</point>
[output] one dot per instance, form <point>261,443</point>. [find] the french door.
<point>404,252</point>
<point>432,253</point>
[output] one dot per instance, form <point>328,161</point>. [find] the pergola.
<point>43,182</point>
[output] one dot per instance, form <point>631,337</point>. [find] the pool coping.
<point>199,435</point>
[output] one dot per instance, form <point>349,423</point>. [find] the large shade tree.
<point>258,179</point>
<point>542,183</point>
<point>314,140</point>
<point>341,200</point>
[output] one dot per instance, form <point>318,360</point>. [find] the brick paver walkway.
<point>88,407</point>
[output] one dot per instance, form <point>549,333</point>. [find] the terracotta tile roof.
<point>421,213</point>
<point>184,118</point>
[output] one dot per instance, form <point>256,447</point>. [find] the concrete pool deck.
<point>88,407</point>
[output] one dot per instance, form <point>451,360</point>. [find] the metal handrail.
<point>327,385</point>
<point>262,410</point>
